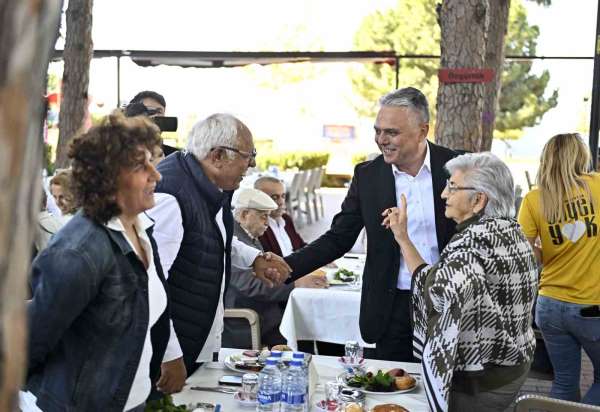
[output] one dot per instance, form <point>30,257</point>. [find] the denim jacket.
<point>88,320</point>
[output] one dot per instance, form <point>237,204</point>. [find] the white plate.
<point>230,361</point>
<point>342,379</point>
<point>243,402</point>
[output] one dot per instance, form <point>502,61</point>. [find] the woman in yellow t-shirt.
<point>561,215</point>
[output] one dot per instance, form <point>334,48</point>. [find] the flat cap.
<point>253,199</point>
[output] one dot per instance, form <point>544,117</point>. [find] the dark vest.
<point>196,274</point>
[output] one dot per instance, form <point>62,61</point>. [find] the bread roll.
<point>282,348</point>
<point>353,407</point>
<point>404,382</point>
<point>389,407</point>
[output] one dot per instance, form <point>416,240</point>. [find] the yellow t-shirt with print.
<point>570,249</point>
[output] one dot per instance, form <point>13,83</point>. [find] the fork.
<point>220,389</point>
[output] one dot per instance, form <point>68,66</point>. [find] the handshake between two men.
<point>271,269</point>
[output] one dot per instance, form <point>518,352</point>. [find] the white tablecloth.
<point>327,368</point>
<point>328,315</point>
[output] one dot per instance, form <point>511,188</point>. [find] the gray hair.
<point>490,175</point>
<point>408,97</point>
<point>266,179</point>
<point>219,129</point>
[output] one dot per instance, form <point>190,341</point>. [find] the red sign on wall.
<point>466,75</point>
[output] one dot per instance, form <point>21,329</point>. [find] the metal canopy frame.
<point>220,59</point>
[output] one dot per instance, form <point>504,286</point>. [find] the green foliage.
<point>412,28</point>
<point>164,404</point>
<point>291,160</point>
<point>522,102</point>
<point>359,158</point>
<point>49,155</point>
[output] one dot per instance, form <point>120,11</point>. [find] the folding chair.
<point>253,322</point>
<point>526,403</point>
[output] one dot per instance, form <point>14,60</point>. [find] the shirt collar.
<point>426,163</point>
<point>279,222</point>
<point>142,223</point>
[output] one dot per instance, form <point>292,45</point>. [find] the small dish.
<point>250,403</point>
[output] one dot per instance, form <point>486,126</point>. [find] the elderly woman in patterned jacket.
<point>472,310</point>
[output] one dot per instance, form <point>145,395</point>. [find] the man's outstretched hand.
<point>271,269</point>
<point>172,376</point>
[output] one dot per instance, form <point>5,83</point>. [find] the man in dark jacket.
<point>194,233</point>
<point>411,165</point>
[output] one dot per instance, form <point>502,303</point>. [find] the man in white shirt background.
<point>281,236</point>
<point>194,233</point>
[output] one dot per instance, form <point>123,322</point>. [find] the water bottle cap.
<point>272,361</point>
<point>276,354</point>
<point>298,355</point>
<point>296,362</point>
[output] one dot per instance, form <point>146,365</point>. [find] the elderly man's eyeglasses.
<point>246,155</point>
<point>452,188</point>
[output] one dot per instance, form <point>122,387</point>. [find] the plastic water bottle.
<point>300,356</point>
<point>293,394</point>
<point>277,354</point>
<point>269,387</point>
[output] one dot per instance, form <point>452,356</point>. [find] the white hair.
<point>237,213</point>
<point>490,175</point>
<point>219,129</point>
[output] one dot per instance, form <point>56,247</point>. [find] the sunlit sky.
<point>567,28</point>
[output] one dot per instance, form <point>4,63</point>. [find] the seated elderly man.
<point>252,208</point>
<point>281,236</point>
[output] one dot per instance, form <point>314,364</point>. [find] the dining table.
<point>327,315</point>
<point>327,369</point>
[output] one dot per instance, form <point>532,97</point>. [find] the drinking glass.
<point>332,390</point>
<point>354,352</point>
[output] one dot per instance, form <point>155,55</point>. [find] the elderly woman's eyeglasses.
<point>452,188</point>
<point>245,155</point>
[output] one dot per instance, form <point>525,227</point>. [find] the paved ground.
<point>332,200</point>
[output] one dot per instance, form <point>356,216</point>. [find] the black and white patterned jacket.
<point>478,308</point>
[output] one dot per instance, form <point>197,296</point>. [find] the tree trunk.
<point>459,105</point>
<point>494,59</point>
<point>76,76</point>
<point>28,30</point>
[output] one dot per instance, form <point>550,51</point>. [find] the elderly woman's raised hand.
<point>396,218</point>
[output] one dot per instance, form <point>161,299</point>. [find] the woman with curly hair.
<point>98,318</point>
<point>560,214</point>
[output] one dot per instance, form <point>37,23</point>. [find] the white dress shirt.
<point>421,215</point>
<point>168,233</point>
<point>157,303</point>
<point>278,228</point>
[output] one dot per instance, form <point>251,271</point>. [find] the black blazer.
<point>371,192</point>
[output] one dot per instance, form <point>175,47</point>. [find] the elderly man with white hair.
<point>252,209</point>
<point>194,233</point>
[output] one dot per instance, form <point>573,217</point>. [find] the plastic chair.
<point>526,403</point>
<point>530,184</point>
<point>297,196</point>
<point>291,200</point>
<point>310,200</point>
<point>253,320</point>
<point>317,197</point>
